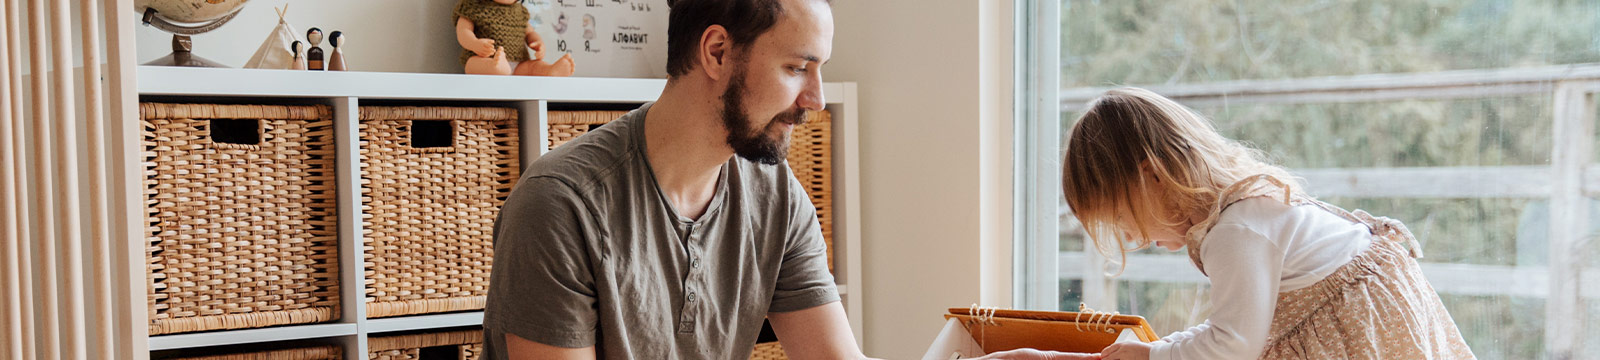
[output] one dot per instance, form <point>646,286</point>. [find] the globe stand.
<point>183,56</point>
<point>182,46</point>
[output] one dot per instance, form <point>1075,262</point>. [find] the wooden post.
<point>1569,215</point>
<point>67,215</point>
<point>24,260</point>
<point>43,199</point>
<point>130,313</point>
<point>99,256</point>
<point>10,212</point>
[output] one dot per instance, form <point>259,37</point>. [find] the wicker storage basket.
<point>465,344</point>
<point>431,202</point>
<point>310,353</point>
<point>568,125</point>
<point>241,230</point>
<point>810,155</point>
<point>768,351</point>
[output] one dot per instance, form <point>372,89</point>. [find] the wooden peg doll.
<point>299,62</point>
<point>336,61</point>
<point>314,55</point>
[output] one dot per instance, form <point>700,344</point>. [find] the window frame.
<point>1038,127</point>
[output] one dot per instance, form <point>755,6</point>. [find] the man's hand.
<point>1031,354</point>
<point>1127,351</point>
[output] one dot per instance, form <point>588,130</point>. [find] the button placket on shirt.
<point>691,285</point>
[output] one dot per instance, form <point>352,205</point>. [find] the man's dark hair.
<point>745,21</point>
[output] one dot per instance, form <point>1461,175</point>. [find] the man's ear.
<point>714,51</point>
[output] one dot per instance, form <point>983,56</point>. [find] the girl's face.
<point>1166,237</point>
<point>1156,229</point>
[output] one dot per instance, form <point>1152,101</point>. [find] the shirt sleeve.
<point>1244,267</point>
<point>1186,334</point>
<point>803,278</point>
<point>541,284</point>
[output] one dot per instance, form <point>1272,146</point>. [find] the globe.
<point>183,18</point>
<point>190,11</point>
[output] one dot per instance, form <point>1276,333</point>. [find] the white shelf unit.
<point>345,91</point>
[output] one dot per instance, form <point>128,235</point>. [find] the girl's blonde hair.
<point>1129,128</point>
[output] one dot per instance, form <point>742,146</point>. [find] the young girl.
<point>1291,277</point>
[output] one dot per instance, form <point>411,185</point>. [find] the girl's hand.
<point>1031,354</point>
<point>1126,351</point>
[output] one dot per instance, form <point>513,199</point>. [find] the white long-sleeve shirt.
<point>1259,248</point>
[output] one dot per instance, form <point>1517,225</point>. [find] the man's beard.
<point>766,146</point>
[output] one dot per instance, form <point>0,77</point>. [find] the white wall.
<point>933,81</point>
<point>380,35</point>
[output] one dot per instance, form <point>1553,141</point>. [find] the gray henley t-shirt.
<point>588,252</point>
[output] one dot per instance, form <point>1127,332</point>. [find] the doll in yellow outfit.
<point>495,39</point>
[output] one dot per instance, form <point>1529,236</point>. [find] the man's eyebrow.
<point>808,57</point>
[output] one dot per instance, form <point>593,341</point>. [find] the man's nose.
<point>811,97</point>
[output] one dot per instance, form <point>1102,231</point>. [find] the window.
<point>1472,121</point>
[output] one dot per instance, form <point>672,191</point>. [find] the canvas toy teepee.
<point>274,53</point>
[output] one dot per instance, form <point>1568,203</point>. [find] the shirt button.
<point>695,263</point>
<point>691,296</point>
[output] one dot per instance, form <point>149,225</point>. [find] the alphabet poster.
<point>607,38</point>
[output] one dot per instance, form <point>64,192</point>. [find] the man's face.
<point>776,80</point>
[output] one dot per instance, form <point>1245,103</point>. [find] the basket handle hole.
<point>595,126</point>
<point>449,352</point>
<point>432,134</point>
<point>235,131</point>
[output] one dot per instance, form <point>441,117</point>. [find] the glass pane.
<point>1484,231</point>
<point>1591,330</point>
<point>1188,41</point>
<point>1071,293</point>
<point>1499,327</point>
<point>1471,132</point>
<point>1170,307</point>
<point>1071,235</point>
<point>1194,42</point>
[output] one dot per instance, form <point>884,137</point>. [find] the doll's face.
<point>776,80</point>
